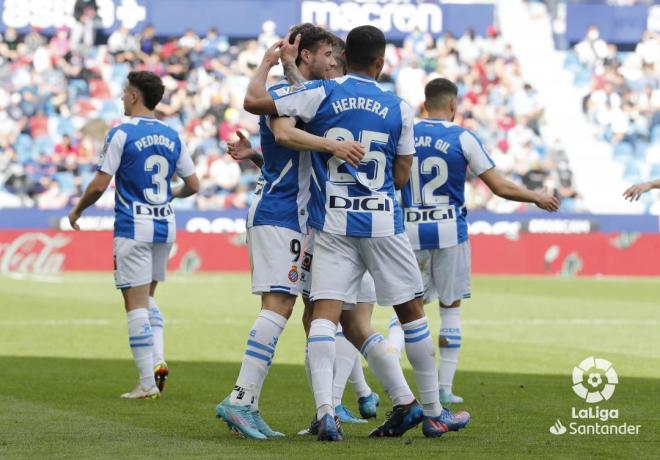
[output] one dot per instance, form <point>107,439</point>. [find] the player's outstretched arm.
<point>190,187</point>
<point>91,195</point>
<point>511,191</point>
<point>257,100</point>
<point>402,165</point>
<point>288,135</point>
<point>633,192</point>
<point>242,150</point>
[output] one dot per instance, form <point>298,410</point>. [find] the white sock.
<point>321,346</point>
<point>308,370</point>
<point>256,394</point>
<point>141,340</point>
<point>360,385</point>
<point>259,352</point>
<point>421,354</point>
<point>157,324</point>
<point>384,363</point>
<point>449,341</point>
<point>395,334</point>
<point>344,360</point>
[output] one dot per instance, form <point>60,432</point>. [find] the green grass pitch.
<point>64,361</point>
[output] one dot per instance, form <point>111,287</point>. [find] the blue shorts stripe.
<point>451,345</point>
<point>418,338</point>
<point>277,286</point>
<point>320,338</point>
<point>252,343</point>
<point>254,354</point>
<point>415,331</point>
<point>339,334</point>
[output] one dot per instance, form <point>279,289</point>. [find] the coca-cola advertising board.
<point>52,252</point>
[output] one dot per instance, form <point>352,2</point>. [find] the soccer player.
<point>435,216</point>
<point>143,154</point>
<point>635,191</point>
<point>277,223</point>
<point>348,362</point>
<point>359,227</point>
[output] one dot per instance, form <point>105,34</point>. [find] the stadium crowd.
<point>58,97</point>
<point>623,99</point>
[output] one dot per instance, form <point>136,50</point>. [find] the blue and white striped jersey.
<point>282,191</point>
<point>345,200</point>
<point>143,154</point>
<point>434,198</point>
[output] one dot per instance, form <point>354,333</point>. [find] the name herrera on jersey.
<point>359,103</point>
<point>154,139</point>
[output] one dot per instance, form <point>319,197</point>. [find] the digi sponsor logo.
<point>416,216</point>
<point>360,204</point>
<point>155,212</point>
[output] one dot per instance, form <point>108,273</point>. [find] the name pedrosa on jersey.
<point>426,141</point>
<point>360,103</point>
<point>154,139</point>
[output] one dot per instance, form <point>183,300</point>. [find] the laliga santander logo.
<point>594,380</point>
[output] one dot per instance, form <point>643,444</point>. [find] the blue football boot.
<point>239,419</point>
<point>345,416</point>
<point>263,427</point>
<point>368,405</point>
<point>433,427</point>
<point>401,419</point>
<point>329,429</point>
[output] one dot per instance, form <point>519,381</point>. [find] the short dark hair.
<point>338,49</point>
<point>311,38</point>
<point>150,86</point>
<point>364,45</point>
<point>438,92</point>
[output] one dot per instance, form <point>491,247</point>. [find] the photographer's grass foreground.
<point>64,363</point>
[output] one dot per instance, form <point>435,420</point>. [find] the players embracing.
<point>359,227</point>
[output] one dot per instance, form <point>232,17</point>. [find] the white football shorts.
<point>366,291</point>
<point>137,263</point>
<point>446,273</point>
<point>340,262</point>
<point>275,255</point>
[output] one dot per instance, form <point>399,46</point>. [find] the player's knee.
<point>281,304</point>
<point>410,311</point>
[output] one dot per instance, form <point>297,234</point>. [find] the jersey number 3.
<point>159,166</point>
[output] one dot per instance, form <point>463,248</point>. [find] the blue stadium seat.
<point>655,170</point>
<point>632,172</point>
<point>65,126</point>
<point>655,134</point>
<point>110,111</point>
<point>66,181</point>
<point>44,144</point>
<point>623,149</point>
<point>85,178</point>
<point>23,146</point>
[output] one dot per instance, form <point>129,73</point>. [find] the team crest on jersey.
<point>290,89</point>
<point>293,273</point>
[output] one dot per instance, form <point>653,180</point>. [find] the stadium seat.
<point>655,134</point>
<point>44,144</point>
<point>24,148</point>
<point>623,149</point>
<point>66,181</point>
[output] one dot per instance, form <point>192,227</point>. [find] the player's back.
<point>282,192</point>
<point>434,197</point>
<point>148,154</point>
<point>358,202</point>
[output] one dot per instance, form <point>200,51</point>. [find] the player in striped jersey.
<point>143,154</point>
<point>277,224</point>
<point>348,364</point>
<point>435,215</point>
<point>360,228</point>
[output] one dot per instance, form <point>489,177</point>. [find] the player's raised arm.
<point>257,100</point>
<point>504,188</point>
<point>635,191</point>
<point>288,135</point>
